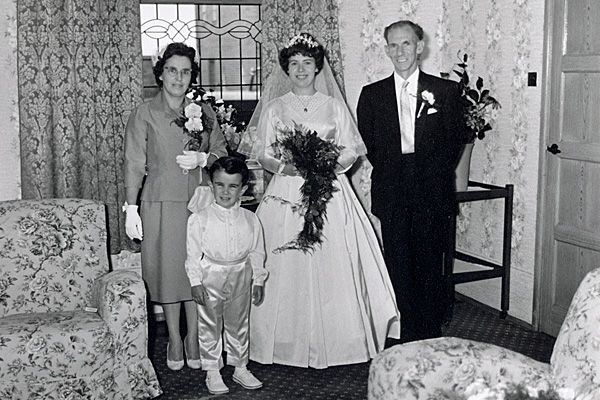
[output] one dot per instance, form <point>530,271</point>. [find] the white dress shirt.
<point>224,236</point>
<point>413,80</point>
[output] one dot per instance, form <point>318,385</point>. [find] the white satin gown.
<point>335,305</point>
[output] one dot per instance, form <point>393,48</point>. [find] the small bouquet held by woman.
<point>316,161</point>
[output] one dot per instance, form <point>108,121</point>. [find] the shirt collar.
<point>413,81</point>
<point>222,209</point>
<point>159,103</point>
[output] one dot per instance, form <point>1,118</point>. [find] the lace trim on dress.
<point>304,105</point>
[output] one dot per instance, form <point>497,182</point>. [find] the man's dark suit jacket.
<point>439,138</point>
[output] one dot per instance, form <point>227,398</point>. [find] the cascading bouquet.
<point>316,160</point>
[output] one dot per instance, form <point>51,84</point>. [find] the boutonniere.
<point>428,103</point>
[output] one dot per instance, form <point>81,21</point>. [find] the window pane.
<point>231,92</point>
<point>209,47</point>
<point>248,47</point>
<point>230,47</point>
<point>250,72</point>
<point>210,73</point>
<point>231,72</point>
<point>147,73</point>
<point>229,14</point>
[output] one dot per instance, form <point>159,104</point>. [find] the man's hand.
<point>199,294</point>
<point>133,223</point>
<point>192,159</point>
<point>258,293</point>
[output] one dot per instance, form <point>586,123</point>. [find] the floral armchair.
<point>437,369</point>
<point>69,328</point>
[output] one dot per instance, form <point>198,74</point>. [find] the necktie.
<point>406,125</point>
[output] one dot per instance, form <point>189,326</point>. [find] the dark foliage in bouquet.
<point>478,103</point>
<point>316,160</point>
<point>193,120</point>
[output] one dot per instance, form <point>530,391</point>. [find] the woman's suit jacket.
<point>152,143</point>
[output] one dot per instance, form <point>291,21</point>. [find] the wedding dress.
<point>334,305</point>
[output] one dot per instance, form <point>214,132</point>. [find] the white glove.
<point>192,159</point>
<point>133,222</point>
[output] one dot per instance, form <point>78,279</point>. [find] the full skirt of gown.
<point>330,307</point>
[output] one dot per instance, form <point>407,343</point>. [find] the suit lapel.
<point>389,105</point>
<point>422,85</point>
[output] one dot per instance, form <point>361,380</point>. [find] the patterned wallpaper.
<point>504,40</point>
<point>10,175</point>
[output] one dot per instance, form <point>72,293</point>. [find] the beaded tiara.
<point>302,38</point>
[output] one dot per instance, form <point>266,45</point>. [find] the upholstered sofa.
<point>437,369</point>
<point>69,328</point>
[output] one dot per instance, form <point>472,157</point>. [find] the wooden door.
<point>569,219</point>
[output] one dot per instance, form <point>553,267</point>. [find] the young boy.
<point>225,265</point>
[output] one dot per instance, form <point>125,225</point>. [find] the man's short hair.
<point>399,24</point>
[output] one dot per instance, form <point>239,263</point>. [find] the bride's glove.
<point>133,222</point>
<point>192,159</point>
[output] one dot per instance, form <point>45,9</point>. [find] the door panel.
<point>570,202</point>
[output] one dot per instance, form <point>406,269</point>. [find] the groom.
<point>412,124</point>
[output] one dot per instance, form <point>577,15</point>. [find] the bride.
<point>334,304</point>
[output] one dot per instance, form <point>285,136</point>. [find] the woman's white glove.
<point>133,222</point>
<point>192,159</point>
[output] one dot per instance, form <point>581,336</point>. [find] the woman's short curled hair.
<point>304,44</point>
<point>175,49</point>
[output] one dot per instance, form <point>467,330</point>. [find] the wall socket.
<point>532,79</point>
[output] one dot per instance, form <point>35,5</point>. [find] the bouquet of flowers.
<point>193,120</point>
<point>479,105</point>
<point>227,117</point>
<point>316,160</point>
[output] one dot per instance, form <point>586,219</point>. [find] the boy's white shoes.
<point>246,379</point>
<point>215,384</point>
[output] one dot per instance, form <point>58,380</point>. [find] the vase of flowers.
<point>480,109</point>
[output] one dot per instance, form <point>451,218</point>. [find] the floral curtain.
<point>282,19</point>
<point>80,75</point>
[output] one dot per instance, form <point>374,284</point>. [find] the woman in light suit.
<point>155,147</point>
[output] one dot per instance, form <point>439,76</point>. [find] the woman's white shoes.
<point>193,364</point>
<point>173,365</point>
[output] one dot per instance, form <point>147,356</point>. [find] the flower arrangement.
<point>316,160</point>
<point>231,128</point>
<point>480,107</point>
<point>193,120</point>
<point>227,118</point>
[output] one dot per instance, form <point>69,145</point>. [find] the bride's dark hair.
<point>304,44</point>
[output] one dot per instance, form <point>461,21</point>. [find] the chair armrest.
<point>439,368</point>
<point>120,299</point>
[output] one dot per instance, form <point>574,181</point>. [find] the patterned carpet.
<point>471,321</point>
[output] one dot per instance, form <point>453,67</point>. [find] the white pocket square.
<point>431,111</point>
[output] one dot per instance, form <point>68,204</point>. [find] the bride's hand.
<point>290,170</point>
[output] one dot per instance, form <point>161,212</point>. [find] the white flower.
<point>194,124</point>
<point>428,97</point>
<point>193,110</point>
